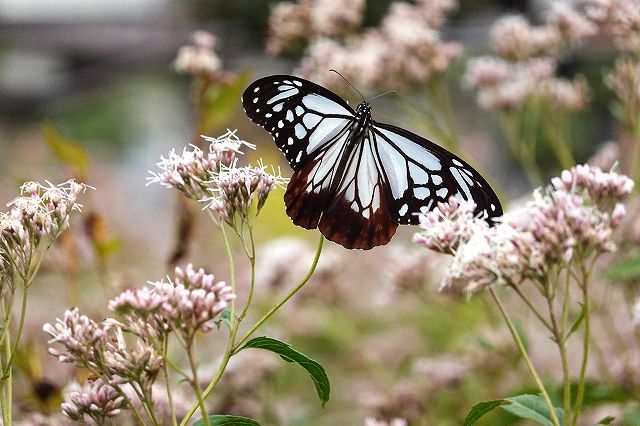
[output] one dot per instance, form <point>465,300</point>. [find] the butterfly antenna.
<point>382,94</point>
<point>349,83</point>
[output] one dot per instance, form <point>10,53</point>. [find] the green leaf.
<point>479,410</point>
<point>289,354</point>
<point>67,151</point>
<point>626,270</point>
<point>576,323</point>
<point>220,420</point>
<point>606,421</point>
<point>220,102</point>
<point>531,407</point>
<point>225,317</point>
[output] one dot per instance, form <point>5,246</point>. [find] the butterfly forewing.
<point>301,116</point>
<point>420,174</point>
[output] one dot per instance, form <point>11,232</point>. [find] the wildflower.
<point>186,304</point>
<point>573,26</point>
<point>485,71</point>
<point>289,27</point>
<point>575,216</point>
<point>191,171</point>
<point>336,17</point>
<point>619,19</point>
<point>624,81</point>
<point>235,189</point>
<point>139,364</point>
<point>515,39</point>
<point>435,11</point>
<point>396,421</point>
<point>448,226</point>
<point>82,338</point>
<point>199,59</point>
<point>602,187</point>
<point>566,94</point>
<point>96,400</point>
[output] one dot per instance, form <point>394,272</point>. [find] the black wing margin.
<point>301,116</point>
<point>419,174</point>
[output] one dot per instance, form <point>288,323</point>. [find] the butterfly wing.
<point>419,174</point>
<point>301,116</point>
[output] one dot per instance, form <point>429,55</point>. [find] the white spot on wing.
<point>437,179</point>
<point>421,193</point>
<point>413,150</point>
<point>300,131</point>
<point>310,120</point>
<point>289,116</point>
<point>404,209</point>
<point>324,105</point>
<point>283,95</point>
<point>442,193</point>
<point>278,107</point>
<point>328,129</point>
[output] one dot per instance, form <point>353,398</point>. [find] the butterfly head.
<point>363,109</point>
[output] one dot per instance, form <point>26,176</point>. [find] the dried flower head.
<point>624,81</point>
<point>96,400</point>
<point>573,25</point>
<point>620,19</point>
<point>336,17</point>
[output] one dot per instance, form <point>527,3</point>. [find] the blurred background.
<point>90,90</point>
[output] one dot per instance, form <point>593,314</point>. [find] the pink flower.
<point>96,399</point>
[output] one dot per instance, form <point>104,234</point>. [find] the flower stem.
<point>196,383</point>
<point>284,299</point>
<point>585,345</point>
<point>232,347</point>
<point>232,271</point>
<point>6,387</point>
<point>523,351</point>
<point>165,369</point>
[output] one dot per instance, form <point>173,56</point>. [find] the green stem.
<point>585,345</point>
<point>196,383</point>
<point>232,271</point>
<point>284,300</point>
<point>523,351</point>
<point>566,371</point>
<point>6,388</point>
<point>231,349</point>
<point>23,312</point>
<point>165,369</point>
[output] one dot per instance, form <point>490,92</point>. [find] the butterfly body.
<point>354,178</point>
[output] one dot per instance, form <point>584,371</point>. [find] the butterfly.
<point>354,178</point>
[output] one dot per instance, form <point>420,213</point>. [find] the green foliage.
<point>531,407</point>
<point>606,421</point>
<point>220,102</point>
<point>68,151</point>
<point>576,323</point>
<point>479,410</point>
<point>289,354</point>
<point>220,420</point>
<point>225,317</point>
<point>625,270</point>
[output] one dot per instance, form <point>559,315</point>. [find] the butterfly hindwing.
<point>301,116</point>
<point>419,174</point>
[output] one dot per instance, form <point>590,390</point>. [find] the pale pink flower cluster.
<point>292,25</point>
<point>235,190</point>
<point>574,217</point>
<point>515,39</point>
<point>448,226</point>
<point>506,86</point>
<point>404,50</point>
<point>604,188</point>
<point>101,348</point>
<point>191,171</point>
<point>187,303</point>
<point>624,81</point>
<point>40,213</point>
<point>96,400</point>
<point>199,59</point>
<point>396,421</point>
<point>619,19</point>
<point>527,57</point>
